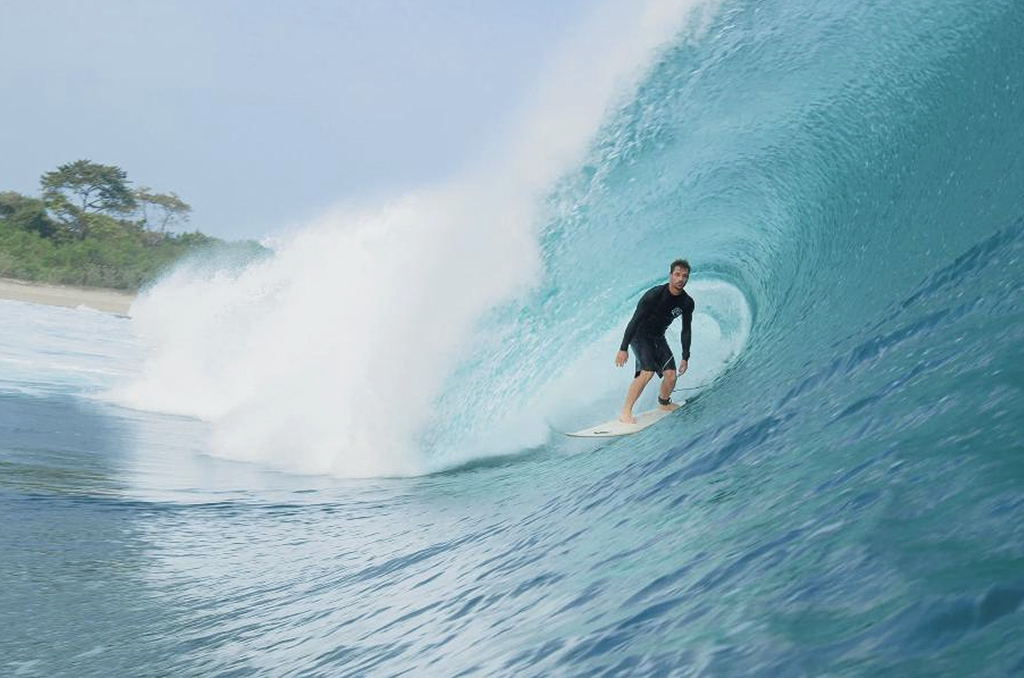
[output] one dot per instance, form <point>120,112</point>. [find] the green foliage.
<point>161,209</point>
<point>75,190</point>
<point>87,244</point>
<point>118,254</point>
<point>28,214</point>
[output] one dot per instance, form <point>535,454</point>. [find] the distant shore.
<point>110,301</point>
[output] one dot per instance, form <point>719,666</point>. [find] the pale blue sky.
<point>261,114</point>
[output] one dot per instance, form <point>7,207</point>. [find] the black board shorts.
<point>652,355</point>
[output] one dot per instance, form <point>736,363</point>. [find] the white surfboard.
<point>613,428</point>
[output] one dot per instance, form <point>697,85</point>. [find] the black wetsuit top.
<point>655,312</point>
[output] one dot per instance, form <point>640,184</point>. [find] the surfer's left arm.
<point>686,335</point>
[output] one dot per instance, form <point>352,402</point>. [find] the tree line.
<point>90,227</point>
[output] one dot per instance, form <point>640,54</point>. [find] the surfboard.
<point>614,428</point>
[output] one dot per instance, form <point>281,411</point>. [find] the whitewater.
<point>344,458</point>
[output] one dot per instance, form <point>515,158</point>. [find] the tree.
<point>74,190</point>
<point>168,207</point>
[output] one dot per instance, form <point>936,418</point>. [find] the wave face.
<point>842,495</point>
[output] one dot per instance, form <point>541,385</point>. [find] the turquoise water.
<point>841,496</point>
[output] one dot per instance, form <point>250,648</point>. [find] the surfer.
<point>645,334</point>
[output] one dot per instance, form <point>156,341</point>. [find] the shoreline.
<point>69,296</point>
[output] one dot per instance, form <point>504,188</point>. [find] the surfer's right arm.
<point>643,308</point>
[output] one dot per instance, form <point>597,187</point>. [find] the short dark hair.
<point>680,263</point>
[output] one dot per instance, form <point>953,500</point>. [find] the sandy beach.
<point>99,299</point>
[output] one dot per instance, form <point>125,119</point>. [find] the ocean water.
<point>345,459</point>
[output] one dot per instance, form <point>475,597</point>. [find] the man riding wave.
<point>645,334</point>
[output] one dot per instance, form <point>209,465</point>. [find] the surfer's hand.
<point>682,368</point>
<point>620,358</point>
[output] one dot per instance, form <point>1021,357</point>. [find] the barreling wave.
<point>801,162</point>
<point>331,356</point>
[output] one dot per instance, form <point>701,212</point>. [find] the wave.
<point>803,165</point>
<point>330,357</point>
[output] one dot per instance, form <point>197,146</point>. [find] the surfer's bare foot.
<point>670,407</point>
<point>627,418</point>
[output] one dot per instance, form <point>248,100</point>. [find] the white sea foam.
<point>328,356</point>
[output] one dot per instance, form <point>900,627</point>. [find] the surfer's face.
<point>677,279</point>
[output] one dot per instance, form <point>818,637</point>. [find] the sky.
<point>263,114</point>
